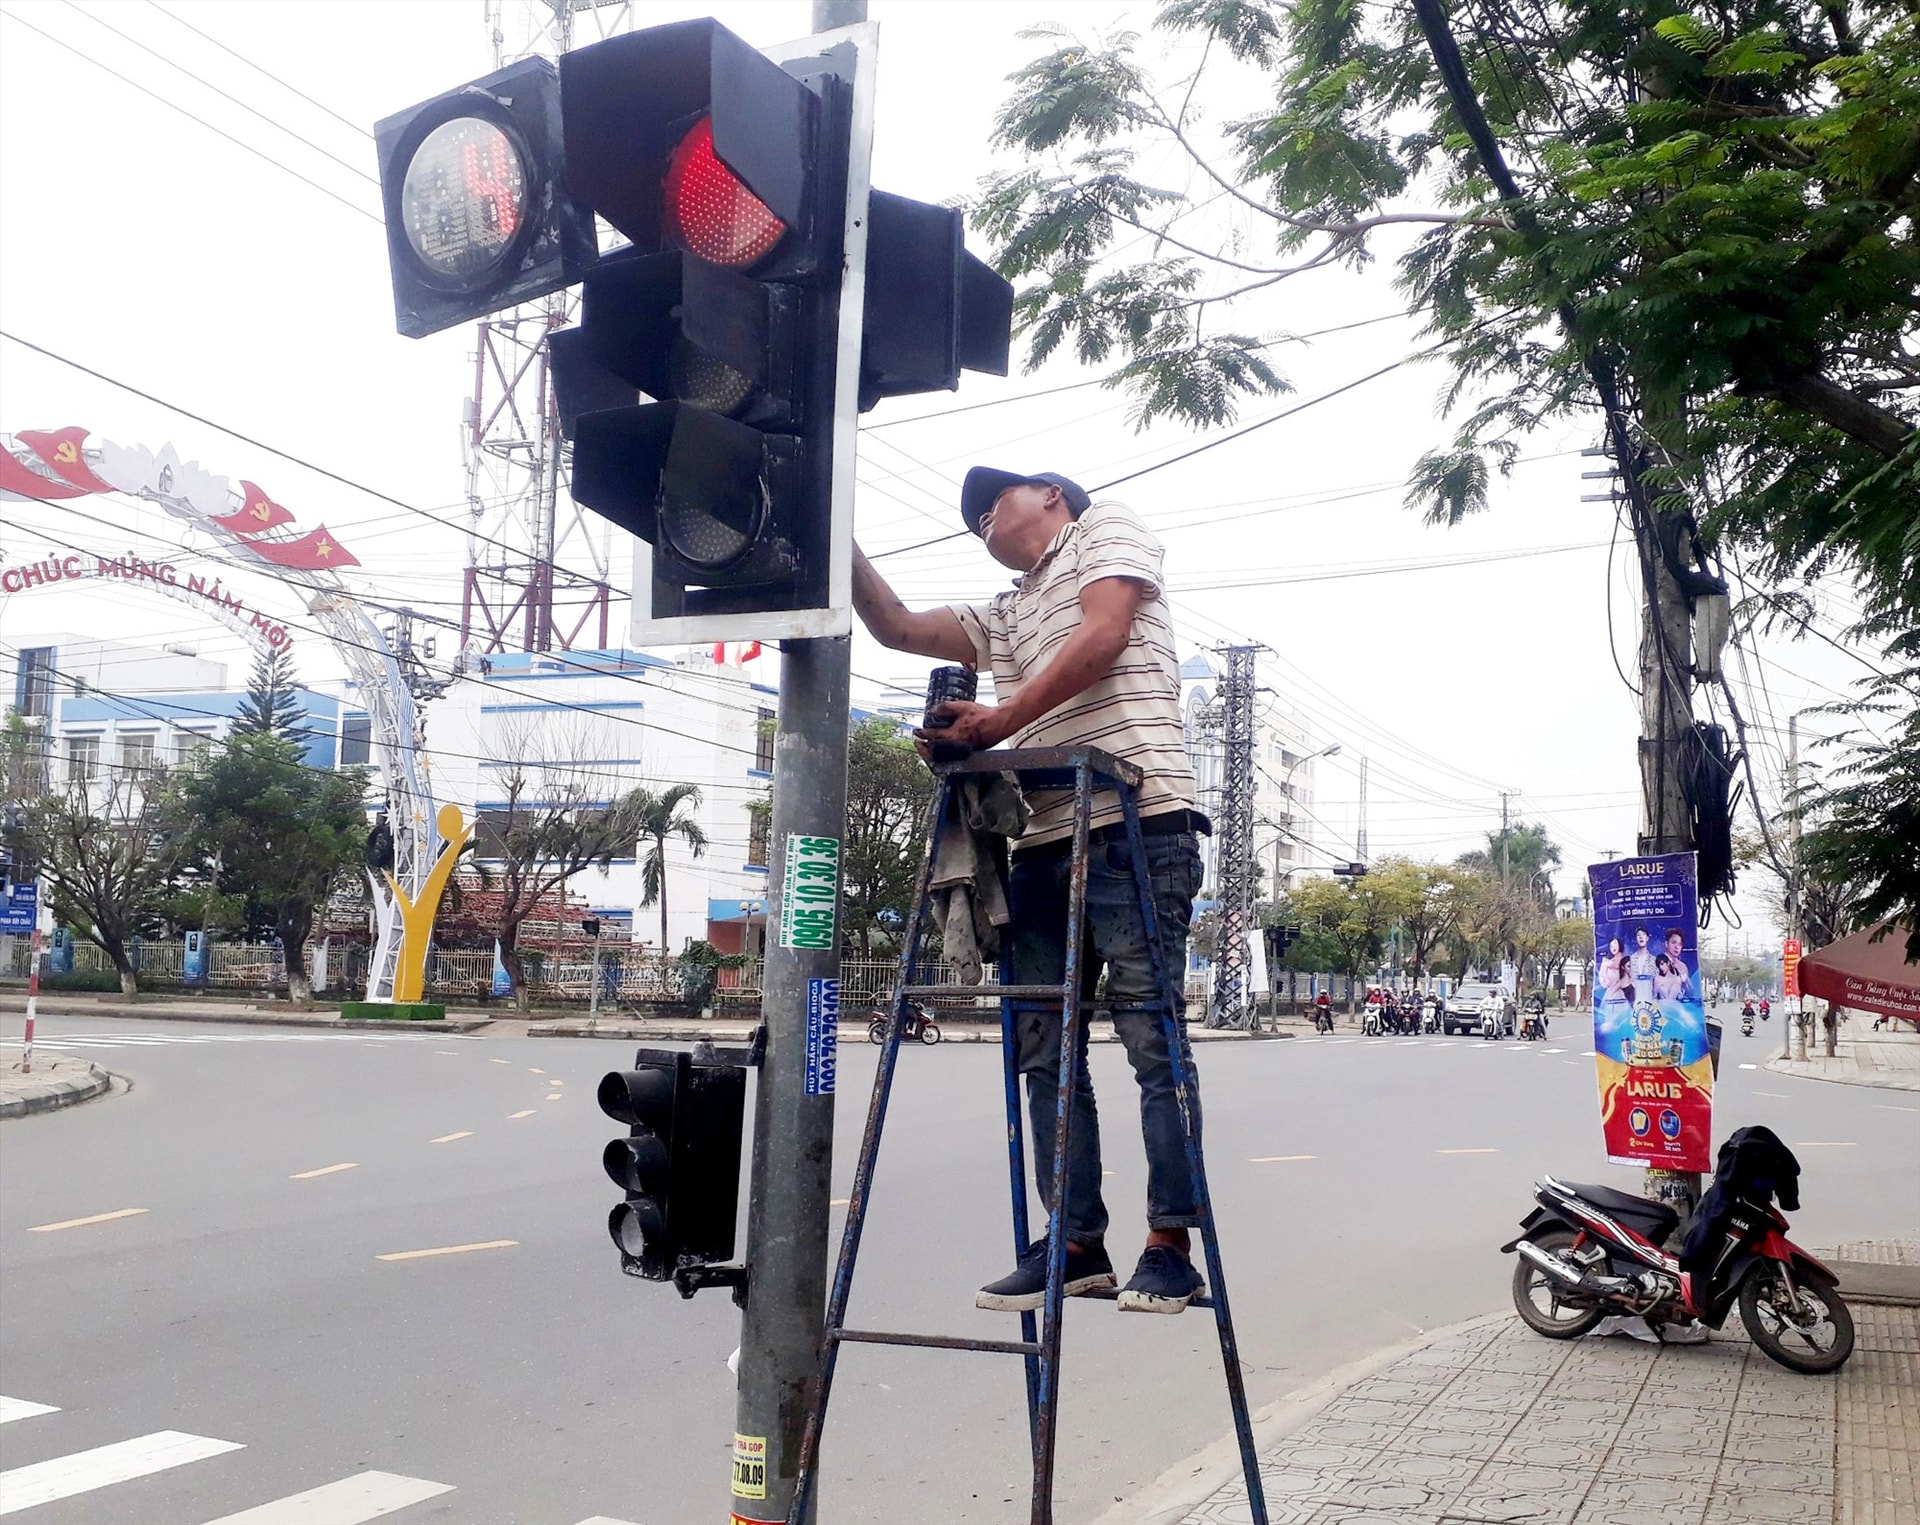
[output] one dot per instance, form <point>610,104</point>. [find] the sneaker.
<point>1163,1282</point>
<point>1088,1270</point>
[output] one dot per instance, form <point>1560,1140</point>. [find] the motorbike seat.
<point>1653,1220</point>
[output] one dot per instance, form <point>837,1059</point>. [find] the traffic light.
<point>477,213</point>
<point>680,1163</point>
<point>1349,871</point>
<point>711,384</point>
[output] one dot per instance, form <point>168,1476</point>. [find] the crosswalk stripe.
<point>605,1519</point>
<point>19,1408</point>
<point>83,1471</point>
<point>364,1496</point>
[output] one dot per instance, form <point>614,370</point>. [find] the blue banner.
<point>1650,1042</point>
<point>193,961</point>
<point>19,908</point>
<point>823,1035</point>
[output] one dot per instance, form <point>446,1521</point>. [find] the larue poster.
<point>1649,1020</point>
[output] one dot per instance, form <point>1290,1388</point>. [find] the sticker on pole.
<point>810,893</point>
<point>749,1466</point>
<point>823,1035</point>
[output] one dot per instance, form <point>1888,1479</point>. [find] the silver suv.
<point>1468,1003</point>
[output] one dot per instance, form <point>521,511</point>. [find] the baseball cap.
<point>983,484</point>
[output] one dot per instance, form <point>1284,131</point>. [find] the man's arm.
<point>1106,621</point>
<point>927,632</point>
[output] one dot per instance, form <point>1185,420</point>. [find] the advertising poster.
<point>1649,1017</point>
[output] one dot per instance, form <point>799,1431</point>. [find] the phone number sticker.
<point>749,1466</point>
<point>810,893</point>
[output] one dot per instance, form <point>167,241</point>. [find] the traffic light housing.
<point>478,218</point>
<point>679,1165</point>
<point>711,385</point>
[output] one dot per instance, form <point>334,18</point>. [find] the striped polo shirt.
<point>1134,711</point>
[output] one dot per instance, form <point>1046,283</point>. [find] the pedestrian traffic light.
<point>477,212</point>
<point>680,1163</point>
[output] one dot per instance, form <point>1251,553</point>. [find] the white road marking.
<point>1468,1151</point>
<point>19,1408</point>
<point>324,1170</point>
<point>513,1117</point>
<point>365,1496</point>
<point>605,1519</point>
<point>1553,1051</point>
<point>1279,1159</point>
<point>83,1471</point>
<point>448,1138</point>
<point>450,1249</point>
<point>1824,1143</point>
<point>1749,1066</point>
<point>1773,1095</point>
<point>49,1228</point>
<point>1879,1106</point>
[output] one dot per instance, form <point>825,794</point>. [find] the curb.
<point>67,1094</point>
<point>54,1006</point>
<point>1792,1069</point>
<point>1188,1484</point>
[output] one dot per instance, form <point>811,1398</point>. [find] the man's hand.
<point>978,726</point>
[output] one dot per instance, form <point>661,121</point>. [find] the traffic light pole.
<point>793,1132</point>
<point>787,1212</point>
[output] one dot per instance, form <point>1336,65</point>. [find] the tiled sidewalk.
<point>1495,1424</point>
<point>1861,1057</point>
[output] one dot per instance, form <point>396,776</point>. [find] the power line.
<point>182,21</point>
<point>176,106</point>
<point>272,122</point>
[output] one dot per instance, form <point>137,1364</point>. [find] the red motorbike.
<point>1587,1252</point>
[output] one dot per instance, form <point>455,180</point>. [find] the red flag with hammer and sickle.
<point>61,450</point>
<point>256,515</point>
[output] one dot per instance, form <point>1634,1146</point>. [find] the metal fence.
<point>627,977</point>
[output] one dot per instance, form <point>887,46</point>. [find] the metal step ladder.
<point>1086,771</point>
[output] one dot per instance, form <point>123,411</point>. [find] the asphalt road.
<point>261,1175</point>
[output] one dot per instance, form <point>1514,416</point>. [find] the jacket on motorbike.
<point>1752,1163</point>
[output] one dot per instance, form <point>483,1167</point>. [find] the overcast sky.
<point>234,267</point>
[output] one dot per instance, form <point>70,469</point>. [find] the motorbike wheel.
<point>1815,1337</point>
<point>877,1030</point>
<point>1536,1295</point>
<point>929,1033</point>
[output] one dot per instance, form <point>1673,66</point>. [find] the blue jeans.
<point>1116,939</point>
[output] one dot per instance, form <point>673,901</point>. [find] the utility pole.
<point>1234,859</point>
<point>787,1240</point>
<point>1795,1034</point>
<point>1360,831</point>
<point>1505,796</point>
<point>1662,540</point>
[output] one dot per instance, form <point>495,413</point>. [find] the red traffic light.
<point>710,212</point>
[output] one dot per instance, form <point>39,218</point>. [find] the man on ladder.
<point>1081,651</point>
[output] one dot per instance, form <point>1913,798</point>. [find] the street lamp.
<point>1286,793</point>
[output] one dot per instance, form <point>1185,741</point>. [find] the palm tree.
<point>657,817</point>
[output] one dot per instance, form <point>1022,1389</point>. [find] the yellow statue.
<point>416,916</point>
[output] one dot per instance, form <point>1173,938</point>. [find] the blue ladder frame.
<point>1084,770</point>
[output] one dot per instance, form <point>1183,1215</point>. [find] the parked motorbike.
<point>1587,1252</point>
<point>919,1025</point>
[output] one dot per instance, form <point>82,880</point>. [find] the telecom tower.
<point>537,574</point>
<point>1233,844</point>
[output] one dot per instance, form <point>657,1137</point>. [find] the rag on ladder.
<point>970,870</point>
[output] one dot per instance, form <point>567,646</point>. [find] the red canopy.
<point>1864,975</point>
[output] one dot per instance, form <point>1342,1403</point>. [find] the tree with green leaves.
<point>1710,209</point>
<point>107,849</point>
<point>1350,915</point>
<point>1424,901</point>
<point>273,706</point>
<point>656,817</point>
<point>888,792</point>
<point>284,835</point>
